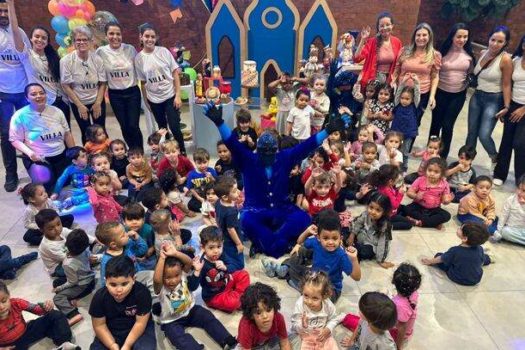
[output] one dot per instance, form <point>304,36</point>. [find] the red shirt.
<point>316,203</point>
<point>394,195</point>
<point>249,336</point>
<point>184,166</point>
<point>14,326</point>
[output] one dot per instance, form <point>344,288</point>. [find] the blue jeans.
<point>405,148</point>
<point>482,109</point>
<point>464,218</point>
<point>9,103</point>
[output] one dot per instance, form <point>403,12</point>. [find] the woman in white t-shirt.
<point>514,123</point>
<point>124,94</point>
<point>160,84</point>
<point>42,65</point>
<point>41,133</point>
<point>84,80</point>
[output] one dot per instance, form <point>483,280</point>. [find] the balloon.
<point>62,51</point>
<point>65,10</point>
<point>39,173</point>
<point>73,2</point>
<point>76,22</point>
<point>88,7</point>
<point>52,6</point>
<point>60,24</point>
<point>191,72</point>
<point>63,40</point>
<point>100,19</point>
<point>184,94</point>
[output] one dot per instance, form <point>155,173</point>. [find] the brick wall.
<point>189,30</point>
<point>429,12</point>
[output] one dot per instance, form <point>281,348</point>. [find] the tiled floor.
<point>486,316</point>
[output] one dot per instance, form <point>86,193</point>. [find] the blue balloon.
<point>60,39</point>
<point>60,24</point>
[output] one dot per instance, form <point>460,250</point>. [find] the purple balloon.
<point>39,173</point>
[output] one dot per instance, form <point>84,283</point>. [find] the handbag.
<point>472,79</point>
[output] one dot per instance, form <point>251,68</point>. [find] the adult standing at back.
<point>491,100</point>
<point>380,53</point>
<point>514,123</point>
<point>458,61</point>
<point>41,63</point>
<point>13,80</point>
<point>84,81</point>
<point>160,84</point>
<point>124,94</point>
<point>421,58</point>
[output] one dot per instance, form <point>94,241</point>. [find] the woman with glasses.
<point>84,81</point>
<point>379,52</point>
<point>124,94</point>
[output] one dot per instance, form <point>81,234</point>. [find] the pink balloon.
<point>66,11</point>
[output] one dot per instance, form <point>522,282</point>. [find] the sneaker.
<point>497,182</point>
<point>269,265</point>
<point>282,271</point>
<point>11,184</point>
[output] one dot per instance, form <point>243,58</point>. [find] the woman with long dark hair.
<point>160,84</point>
<point>458,60</point>
<point>491,100</point>
<point>514,123</point>
<point>124,94</point>
<point>379,52</point>
<point>42,65</point>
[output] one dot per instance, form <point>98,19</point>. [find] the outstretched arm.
<point>214,113</point>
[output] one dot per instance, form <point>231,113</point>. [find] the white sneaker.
<point>496,237</point>
<point>497,182</point>
<point>68,346</point>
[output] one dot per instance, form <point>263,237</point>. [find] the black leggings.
<point>126,106</point>
<point>513,139</point>
<point>83,124</point>
<point>428,217</point>
<point>51,325</point>
<point>165,114</point>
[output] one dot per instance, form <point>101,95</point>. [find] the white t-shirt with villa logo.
<point>13,78</point>
<point>156,69</point>
<point>119,66</point>
<point>83,75</point>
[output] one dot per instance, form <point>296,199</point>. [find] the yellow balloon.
<point>76,22</point>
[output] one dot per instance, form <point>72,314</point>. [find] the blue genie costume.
<point>269,219</point>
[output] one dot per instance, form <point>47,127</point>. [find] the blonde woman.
<point>420,57</point>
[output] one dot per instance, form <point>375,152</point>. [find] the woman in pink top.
<point>379,53</point>
<point>458,61</point>
<point>421,58</point>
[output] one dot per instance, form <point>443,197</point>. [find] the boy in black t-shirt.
<point>226,165</point>
<point>227,217</point>
<point>120,311</point>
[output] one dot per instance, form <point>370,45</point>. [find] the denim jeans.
<point>464,218</point>
<point>8,104</point>
<point>482,109</point>
<point>405,148</point>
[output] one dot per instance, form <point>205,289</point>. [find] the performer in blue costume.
<point>269,219</point>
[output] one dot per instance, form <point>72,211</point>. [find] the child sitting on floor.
<point>97,139</point>
<point>434,146</point>
<point>105,207</point>
<point>120,310</point>
<point>479,205</point>
<point>35,198</point>
<point>119,160</point>
<point>511,225</point>
<point>378,315</point>
<point>461,174</point>
<point>175,286</point>
<point>262,326</point>
<point>139,174</point>
<point>463,263</point>
<point>77,174</point>
<point>314,317</point>
<point>15,333</point>
<point>80,278</point>
<point>321,193</point>
<point>133,219</point>
<point>220,289</point>
<point>428,193</point>
<point>9,265</point>
<point>198,178</point>
<point>245,133</point>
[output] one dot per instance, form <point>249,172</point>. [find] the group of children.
<point>149,267</point>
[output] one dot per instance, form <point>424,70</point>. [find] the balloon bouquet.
<point>69,14</point>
